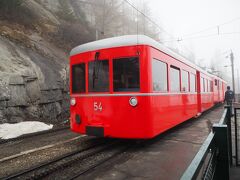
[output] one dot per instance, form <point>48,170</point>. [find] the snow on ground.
<point>8,131</point>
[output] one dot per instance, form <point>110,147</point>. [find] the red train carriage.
<point>133,87</point>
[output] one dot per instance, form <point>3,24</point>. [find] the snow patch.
<point>8,131</point>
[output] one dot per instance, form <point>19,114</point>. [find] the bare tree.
<point>116,17</point>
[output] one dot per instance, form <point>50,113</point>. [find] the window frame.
<point>211,86</point>
<point>167,79</point>
<point>188,79</point>
<point>72,78</point>
<point>88,75</point>
<point>195,84</point>
<point>170,82</point>
<point>112,73</point>
<point>206,85</point>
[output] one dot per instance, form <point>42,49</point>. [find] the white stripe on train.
<point>136,94</point>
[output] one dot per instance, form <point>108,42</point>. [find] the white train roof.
<point>131,40</point>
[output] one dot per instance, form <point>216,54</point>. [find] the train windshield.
<point>126,74</point>
<point>78,78</point>
<point>98,76</point>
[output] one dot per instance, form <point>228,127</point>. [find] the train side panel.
<point>206,91</point>
<point>171,108</point>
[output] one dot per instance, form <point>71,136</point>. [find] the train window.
<point>211,86</point>
<point>208,88</point>
<point>98,76</point>
<point>78,78</point>
<point>192,83</point>
<point>216,82</point>
<point>206,85</point>
<point>202,84</point>
<point>175,79</point>
<point>220,85</point>
<point>185,86</point>
<point>126,74</point>
<point>159,75</point>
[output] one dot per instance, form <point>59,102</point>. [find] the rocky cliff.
<point>35,38</point>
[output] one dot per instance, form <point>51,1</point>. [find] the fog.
<point>209,29</point>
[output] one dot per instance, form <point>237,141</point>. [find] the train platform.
<point>167,157</point>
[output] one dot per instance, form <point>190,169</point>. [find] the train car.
<point>133,87</point>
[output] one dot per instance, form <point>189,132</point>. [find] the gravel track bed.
<point>15,147</point>
<point>86,143</point>
<point>28,160</point>
<point>79,168</point>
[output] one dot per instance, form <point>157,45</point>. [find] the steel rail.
<point>98,164</point>
<point>58,159</point>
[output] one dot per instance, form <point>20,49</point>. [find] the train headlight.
<point>73,101</point>
<point>133,101</point>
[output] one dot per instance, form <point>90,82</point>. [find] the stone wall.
<point>33,85</point>
<point>34,44</point>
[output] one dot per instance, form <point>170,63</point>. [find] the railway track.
<point>25,136</point>
<point>96,154</point>
<point>92,167</point>
<point>30,151</point>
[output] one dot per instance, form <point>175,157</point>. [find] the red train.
<point>133,87</point>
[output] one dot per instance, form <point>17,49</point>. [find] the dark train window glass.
<point>175,79</point>
<point>207,84</point>
<point>78,78</point>
<point>98,76</point>
<point>216,82</point>
<point>126,74</point>
<point>159,75</point>
<point>211,86</point>
<point>185,86</point>
<point>192,83</point>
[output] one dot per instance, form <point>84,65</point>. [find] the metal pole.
<point>232,64</point>
<point>229,128</point>
<point>221,139</point>
<point>236,135</point>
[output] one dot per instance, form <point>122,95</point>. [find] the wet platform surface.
<point>167,157</point>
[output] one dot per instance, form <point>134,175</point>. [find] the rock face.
<point>32,86</point>
<point>35,38</point>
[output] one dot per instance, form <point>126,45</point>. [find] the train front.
<point>105,93</point>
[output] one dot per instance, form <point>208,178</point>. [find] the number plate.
<point>97,106</point>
